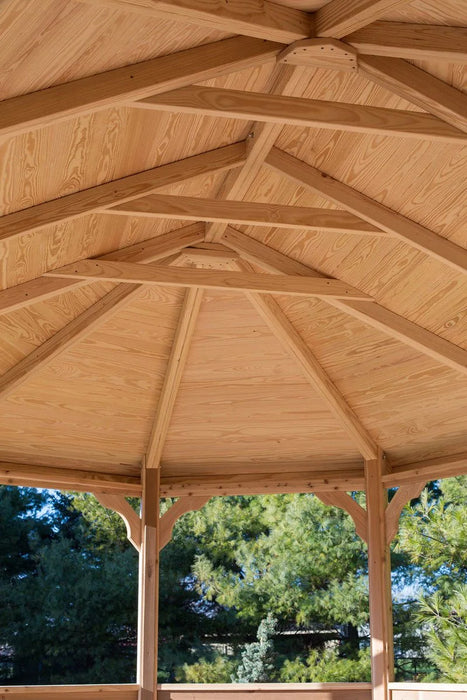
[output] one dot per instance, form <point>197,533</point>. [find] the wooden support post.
<point>379,572</point>
<point>149,586</point>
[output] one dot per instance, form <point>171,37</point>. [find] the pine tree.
<point>257,660</point>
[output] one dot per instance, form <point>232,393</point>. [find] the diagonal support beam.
<point>39,109</point>
<point>173,376</point>
<point>340,499</point>
<point>299,111</point>
<point>417,86</point>
<point>184,505</point>
<point>403,495</point>
<point>120,191</point>
<point>152,250</point>
<point>374,315</point>
<point>339,17</point>
<point>286,81</point>
<point>258,18</point>
<point>370,210</point>
<point>291,340</point>
<point>132,521</point>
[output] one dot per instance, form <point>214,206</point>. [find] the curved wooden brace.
<point>403,495</point>
<point>179,508</point>
<point>120,505</point>
<point>342,500</point>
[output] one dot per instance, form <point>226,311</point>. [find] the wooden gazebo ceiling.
<point>228,373</point>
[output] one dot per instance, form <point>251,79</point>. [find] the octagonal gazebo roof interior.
<point>226,385</point>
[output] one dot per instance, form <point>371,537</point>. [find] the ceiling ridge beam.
<point>286,80</point>
<point>184,208</point>
<point>296,347</point>
<point>256,18</point>
<point>150,250</point>
<point>120,191</point>
<point>302,112</point>
<point>417,86</point>
<point>340,17</point>
<point>411,41</point>
<point>159,276</point>
<point>39,109</point>
<point>390,221</point>
<point>173,376</point>
<point>372,314</point>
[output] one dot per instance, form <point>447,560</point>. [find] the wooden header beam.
<point>298,111</point>
<point>158,275</point>
<point>427,470</point>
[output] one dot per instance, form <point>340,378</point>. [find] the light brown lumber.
<point>427,470</point>
<point>257,18</point>
<point>298,111</point>
<point>372,314</point>
<point>158,275</point>
<point>179,508</point>
<point>132,521</point>
<point>321,53</point>
<point>70,692</point>
<point>151,250</point>
<point>119,191</point>
<point>417,86</point>
<point>225,484</point>
<point>173,375</point>
<point>296,347</point>
<point>273,691</point>
<point>340,17</point>
<point>379,573</point>
<point>148,595</point>
<point>403,495</point>
<point>285,81</point>
<point>411,41</point>
<point>39,109</point>
<point>163,206</point>
<point>340,499</point>
<point>370,210</point>
<point>68,479</point>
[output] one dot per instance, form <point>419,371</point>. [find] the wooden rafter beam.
<point>120,191</point>
<point>179,508</point>
<point>340,17</point>
<point>372,314</point>
<point>39,109</point>
<point>173,375</point>
<point>427,470</point>
<point>151,250</point>
<point>257,18</point>
<point>163,206</point>
<point>412,41</point>
<point>157,275</point>
<point>120,505</point>
<point>297,348</point>
<point>298,111</point>
<point>286,80</point>
<point>417,86</point>
<point>69,479</point>
<point>370,210</point>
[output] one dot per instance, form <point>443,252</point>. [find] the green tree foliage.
<point>326,666</point>
<point>257,659</point>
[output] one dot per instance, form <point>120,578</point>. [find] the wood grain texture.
<point>132,273</point>
<point>427,470</point>
<point>119,191</point>
<point>371,211</point>
<point>321,53</point>
<point>132,521</point>
<point>71,692</point>
<point>256,18</point>
<point>411,41</point>
<point>267,691</point>
<point>252,213</point>
<point>296,111</point>
<point>134,82</point>
<point>339,17</point>
<point>417,86</point>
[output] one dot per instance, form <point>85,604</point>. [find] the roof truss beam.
<point>370,210</point>
<point>120,191</point>
<point>257,18</point>
<point>340,17</point>
<point>163,206</point>
<point>296,111</point>
<point>39,109</point>
<point>412,41</point>
<point>154,275</point>
<point>372,314</point>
